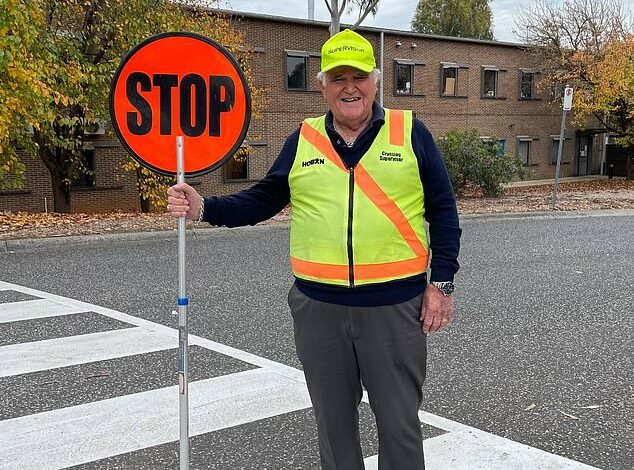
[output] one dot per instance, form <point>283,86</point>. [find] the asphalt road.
<point>541,350</point>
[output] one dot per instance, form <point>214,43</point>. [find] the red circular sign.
<point>180,84</point>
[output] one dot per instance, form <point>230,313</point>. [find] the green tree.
<point>456,18</point>
<point>472,162</point>
<point>67,51</point>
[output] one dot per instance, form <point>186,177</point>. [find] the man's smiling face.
<point>350,94</point>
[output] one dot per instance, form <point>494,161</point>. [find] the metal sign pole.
<point>150,146</point>
<point>567,106</point>
<point>183,400</point>
<point>559,151</point>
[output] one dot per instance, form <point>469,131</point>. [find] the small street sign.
<point>568,99</point>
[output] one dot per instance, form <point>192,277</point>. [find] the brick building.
<point>449,83</point>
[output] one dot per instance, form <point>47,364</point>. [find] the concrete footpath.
<point>570,179</point>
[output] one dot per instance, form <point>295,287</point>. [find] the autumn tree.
<point>607,91</point>
<point>456,18</point>
<point>586,44</point>
<point>21,83</point>
<point>336,8</point>
<point>68,51</point>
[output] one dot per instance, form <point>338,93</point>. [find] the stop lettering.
<point>180,84</point>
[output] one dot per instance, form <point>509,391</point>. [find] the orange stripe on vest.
<point>389,208</point>
<point>397,127</point>
<point>322,144</point>
<point>361,271</point>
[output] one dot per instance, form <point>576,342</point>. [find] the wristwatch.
<point>446,287</point>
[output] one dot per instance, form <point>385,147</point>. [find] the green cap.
<point>347,48</point>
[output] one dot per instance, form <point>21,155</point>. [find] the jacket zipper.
<point>350,208</point>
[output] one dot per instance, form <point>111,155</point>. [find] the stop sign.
<point>180,84</point>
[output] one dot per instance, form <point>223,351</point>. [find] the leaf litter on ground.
<point>573,196</point>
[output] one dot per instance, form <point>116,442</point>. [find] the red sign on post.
<point>180,84</point>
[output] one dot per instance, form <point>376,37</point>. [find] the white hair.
<point>322,76</point>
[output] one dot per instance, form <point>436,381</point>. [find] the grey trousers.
<point>384,348</point>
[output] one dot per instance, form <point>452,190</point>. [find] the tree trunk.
<point>146,207</point>
<point>56,165</point>
<point>143,202</point>
<point>335,18</point>
<point>61,194</point>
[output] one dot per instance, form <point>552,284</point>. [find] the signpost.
<point>180,105</point>
<point>567,107</point>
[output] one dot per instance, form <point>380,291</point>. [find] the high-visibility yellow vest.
<point>361,225</point>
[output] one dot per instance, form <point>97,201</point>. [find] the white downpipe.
<point>382,73</point>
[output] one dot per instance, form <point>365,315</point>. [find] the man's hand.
<point>437,310</point>
<point>183,201</point>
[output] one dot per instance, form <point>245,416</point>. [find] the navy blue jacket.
<point>271,194</point>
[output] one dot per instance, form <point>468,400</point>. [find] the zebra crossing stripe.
<point>33,309</point>
<point>84,433</point>
<point>61,352</point>
<point>282,369</point>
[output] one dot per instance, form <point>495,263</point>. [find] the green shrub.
<point>470,161</point>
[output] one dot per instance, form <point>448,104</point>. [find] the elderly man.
<point>361,180</point>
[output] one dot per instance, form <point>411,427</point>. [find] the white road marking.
<point>282,369</point>
<point>32,309</point>
<point>467,448</point>
<point>284,390</point>
<point>61,352</point>
<point>84,433</point>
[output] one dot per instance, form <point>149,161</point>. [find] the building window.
<point>554,149</point>
<point>84,171</point>
<point>237,167</point>
<point>449,80</point>
<point>489,83</point>
<point>408,80</point>
<point>501,147</point>
<point>527,85</point>
<point>404,79</point>
<point>499,144</point>
<point>524,150</point>
<point>557,91</point>
<point>296,72</point>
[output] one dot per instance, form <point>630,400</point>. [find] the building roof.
<point>373,29</point>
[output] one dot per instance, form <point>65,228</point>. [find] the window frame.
<point>487,139</point>
<point>412,64</point>
<point>86,180</point>
<point>410,67</point>
<point>251,146</point>
<point>502,148</point>
<point>529,140</point>
<point>225,167</point>
<point>297,55</point>
<point>456,67</point>
<point>485,94</point>
<point>498,75</point>
<point>533,73</point>
<point>553,139</point>
<point>557,92</point>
